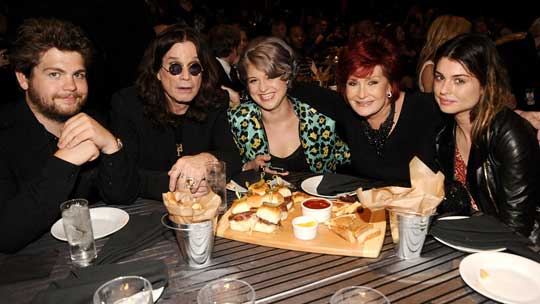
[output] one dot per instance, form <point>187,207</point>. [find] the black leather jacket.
<point>503,171</point>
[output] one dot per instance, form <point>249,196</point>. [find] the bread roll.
<point>284,191</point>
<point>259,188</point>
<point>246,224</point>
<point>299,197</point>
<point>273,199</point>
<point>265,228</point>
<point>269,214</point>
<point>239,206</point>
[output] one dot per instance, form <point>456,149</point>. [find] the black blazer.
<point>224,79</point>
<point>153,148</point>
<point>503,171</point>
<point>33,182</point>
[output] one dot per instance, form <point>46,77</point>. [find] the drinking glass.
<point>216,179</point>
<point>125,290</point>
<point>358,295</point>
<point>231,291</point>
<point>78,230</point>
<point>529,96</point>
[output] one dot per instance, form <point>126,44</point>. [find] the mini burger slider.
<point>242,215</point>
<point>268,219</point>
<point>275,199</point>
<point>259,188</point>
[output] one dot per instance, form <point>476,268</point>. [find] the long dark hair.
<point>478,54</point>
<point>150,89</point>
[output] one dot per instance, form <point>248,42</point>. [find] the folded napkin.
<point>483,232</point>
<point>334,184</point>
<point>22,267</point>
<point>81,283</point>
<point>141,232</point>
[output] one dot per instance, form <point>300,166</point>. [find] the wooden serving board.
<point>326,241</point>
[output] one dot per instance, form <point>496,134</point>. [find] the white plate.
<point>156,293</point>
<point>309,185</point>
<point>105,220</point>
<point>235,187</point>
<point>461,248</point>
<point>510,278</point>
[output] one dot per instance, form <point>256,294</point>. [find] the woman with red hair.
<point>386,127</point>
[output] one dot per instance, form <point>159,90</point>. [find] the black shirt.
<point>296,162</point>
<point>33,182</point>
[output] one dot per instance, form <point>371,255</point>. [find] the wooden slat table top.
<point>279,275</point>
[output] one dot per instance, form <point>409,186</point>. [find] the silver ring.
<point>190,181</point>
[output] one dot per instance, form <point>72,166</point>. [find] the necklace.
<point>378,137</point>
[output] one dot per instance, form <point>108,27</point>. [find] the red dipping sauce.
<point>316,204</point>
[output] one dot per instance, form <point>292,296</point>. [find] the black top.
<point>33,182</point>
<point>502,170</point>
<point>413,135</point>
<point>230,82</point>
<point>153,148</point>
<point>296,162</point>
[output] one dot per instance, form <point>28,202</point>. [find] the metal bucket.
<point>195,241</point>
<point>412,234</point>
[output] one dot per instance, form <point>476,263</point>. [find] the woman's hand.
<point>260,163</point>
<point>189,171</point>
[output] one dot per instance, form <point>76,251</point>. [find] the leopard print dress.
<point>323,148</point>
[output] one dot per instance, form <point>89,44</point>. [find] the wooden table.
<point>281,276</point>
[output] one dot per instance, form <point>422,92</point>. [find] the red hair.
<point>361,57</point>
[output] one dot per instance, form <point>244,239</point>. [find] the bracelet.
<point>119,143</point>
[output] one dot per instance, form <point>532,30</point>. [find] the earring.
<point>389,94</point>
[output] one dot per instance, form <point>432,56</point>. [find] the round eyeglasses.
<point>176,69</point>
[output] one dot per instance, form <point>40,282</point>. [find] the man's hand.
<point>189,171</point>
<point>82,127</point>
<point>83,152</point>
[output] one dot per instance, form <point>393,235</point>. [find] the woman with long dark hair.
<point>487,147</point>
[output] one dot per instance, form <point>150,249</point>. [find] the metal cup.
<point>412,234</point>
<point>195,241</point>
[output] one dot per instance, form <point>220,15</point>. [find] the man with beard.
<point>50,150</point>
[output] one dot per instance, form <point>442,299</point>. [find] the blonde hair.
<point>442,29</point>
<point>272,56</point>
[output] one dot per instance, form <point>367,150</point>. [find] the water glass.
<point>78,230</point>
<point>230,291</point>
<point>125,290</point>
<point>216,179</point>
<point>529,96</point>
<point>358,295</point>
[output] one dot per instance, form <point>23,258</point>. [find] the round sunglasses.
<point>176,69</point>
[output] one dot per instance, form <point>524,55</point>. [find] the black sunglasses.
<point>176,69</point>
